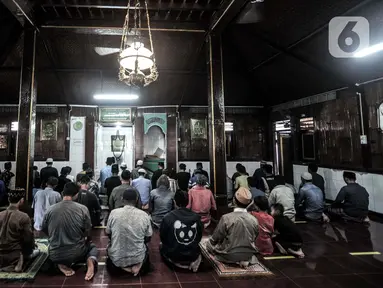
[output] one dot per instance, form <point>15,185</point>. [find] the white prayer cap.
<point>140,162</point>
<point>141,170</point>
<point>123,165</point>
<point>49,160</point>
<point>307,176</point>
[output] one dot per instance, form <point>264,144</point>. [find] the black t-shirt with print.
<point>181,232</point>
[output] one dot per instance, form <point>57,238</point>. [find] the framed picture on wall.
<point>3,142</point>
<point>48,130</point>
<point>198,128</point>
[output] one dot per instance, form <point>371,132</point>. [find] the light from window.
<point>15,126</point>
<point>229,126</point>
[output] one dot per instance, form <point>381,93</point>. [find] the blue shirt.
<point>105,173</point>
<point>312,198</point>
<point>144,186</point>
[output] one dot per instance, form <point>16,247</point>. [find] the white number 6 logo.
<point>348,35</point>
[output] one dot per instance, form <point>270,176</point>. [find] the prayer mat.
<point>32,267</point>
<point>233,271</point>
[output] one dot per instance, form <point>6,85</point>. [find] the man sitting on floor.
<point>310,202</point>
<point>352,200</point>
<point>68,227</point>
<point>283,194</point>
<point>144,186</point>
<point>129,229</point>
<point>16,236</point>
<point>43,200</point>
<point>89,200</point>
<point>287,233</point>
<point>181,232</point>
<point>115,200</point>
<point>233,240</point>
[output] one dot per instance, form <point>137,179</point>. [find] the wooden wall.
<point>249,135</point>
<point>338,129</point>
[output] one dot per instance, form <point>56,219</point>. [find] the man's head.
<point>16,197</point>
<point>199,166</point>
<point>237,166</point>
<point>163,181</point>
<point>130,196</point>
<point>64,171</point>
<point>349,177</point>
<point>242,198</point>
<point>181,199</point>
<point>306,177</point>
<point>262,203</point>
<point>85,166</point>
<point>241,169</point>
<point>123,166</point>
<point>70,190</point>
<point>84,182</point>
<point>201,180</point>
<point>140,163</point>
<point>109,161</point>
<point>166,172</point>
<point>268,169</point>
<point>161,165</point>
<point>115,169</point>
<point>182,167</point>
<point>49,161</point>
<point>277,210</point>
<point>52,182</point>
<point>8,166</point>
<point>69,169</point>
<point>263,164</point>
<point>279,180</point>
<point>312,168</point>
<point>125,176</point>
<point>141,172</point>
<point>35,168</point>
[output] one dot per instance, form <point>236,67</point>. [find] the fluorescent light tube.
<point>115,96</point>
<point>369,50</point>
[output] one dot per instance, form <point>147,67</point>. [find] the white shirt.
<point>41,202</point>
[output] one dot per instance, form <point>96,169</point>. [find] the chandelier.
<point>137,63</point>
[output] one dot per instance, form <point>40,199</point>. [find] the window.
<point>307,138</point>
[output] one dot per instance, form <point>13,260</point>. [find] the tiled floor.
<point>327,264</point>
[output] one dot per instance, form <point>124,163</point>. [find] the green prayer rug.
<point>31,268</point>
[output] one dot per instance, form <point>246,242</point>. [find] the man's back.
<point>105,173</point>
<point>41,202</point>
<point>128,227</point>
<point>156,175</point>
<point>181,232</point>
<point>15,229</point>
<point>313,201</point>
<point>283,195</point>
<point>318,181</point>
<point>48,172</point>
<point>90,200</point>
<point>111,183</point>
<point>356,200</point>
<point>115,199</point>
<point>67,224</point>
<point>201,200</point>
<point>183,180</point>
<point>144,186</point>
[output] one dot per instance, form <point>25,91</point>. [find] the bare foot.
<point>66,270</point>
<point>90,272</point>
<point>325,218</point>
<point>299,253</point>
<point>280,248</point>
<point>19,266</point>
<point>136,269</point>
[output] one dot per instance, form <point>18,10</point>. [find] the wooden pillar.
<point>216,119</point>
<point>25,148</point>
<point>171,143</point>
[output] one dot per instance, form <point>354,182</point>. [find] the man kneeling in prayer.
<point>16,237</point>
<point>233,240</point>
<point>181,232</point>
<point>68,226</point>
<point>129,229</point>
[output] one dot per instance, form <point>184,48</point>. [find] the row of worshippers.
<point>7,182</point>
<point>351,203</point>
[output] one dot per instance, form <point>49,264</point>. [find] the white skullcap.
<point>141,170</point>
<point>140,162</point>
<point>307,176</point>
<point>49,160</point>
